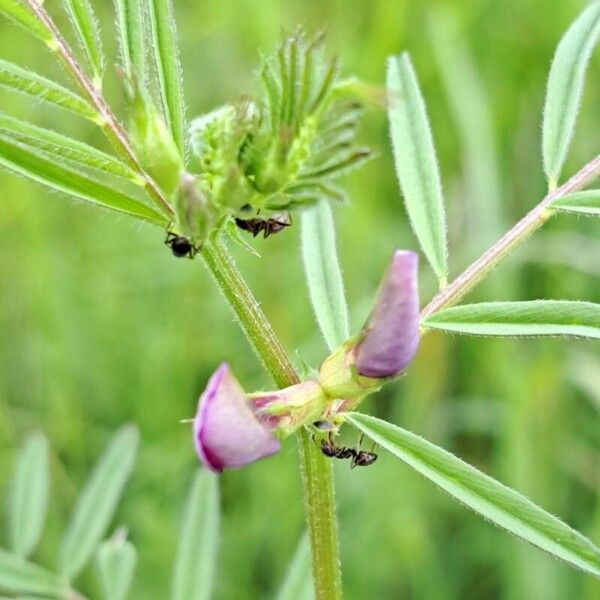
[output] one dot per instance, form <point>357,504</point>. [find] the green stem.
<point>316,470</point>
<point>533,220</point>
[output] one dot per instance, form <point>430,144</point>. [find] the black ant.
<point>331,449</point>
<point>180,245</point>
<point>268,226</point>
<point>360,458</point>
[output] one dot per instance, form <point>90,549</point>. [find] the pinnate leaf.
<point>18,576</point>
<point>47,170</point>
<point>62,146</point>
<point>297,584</point>
<point>85,24</point>
<point>196,557</point>
<point>168,66</point>
<point>98,501</point>
<point>565,87</point>
<point>416,163</point>
<point>37,87</point>
<point>533,318</point>
<point>131,40</point>
<point>323,273</point>
<point>584,203</point>
<point>494,501</point>
<point>117,559</point>
<point>16,11</point>
<point>29,495</point>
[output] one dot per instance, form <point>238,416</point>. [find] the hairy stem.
<point>533,220</point>
<point>316,470</point>
<point>108,121</point>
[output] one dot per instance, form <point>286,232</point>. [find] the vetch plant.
<point>114,559</point>
<point>247,167</point>
<point>91,518</point>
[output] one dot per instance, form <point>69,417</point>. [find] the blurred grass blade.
<point>297,584</point>
<point>18,576</point>
<point>117,559</point>
<point>323,273</point>
<point>58,145</point>
<point>131,40</point>
<point>416,163</point>
<point>16,11</point>
<point>536,317</point>
<point>495,502</point>
<point>29,496</point>
<point>471,108</point>
<point>98,501</point>
<point>585,203</point>
<point>199,541</point>
<point>168,66</point>
<point>86,26</point>
<point>29,83</point>
<point>564,89</point>
<point>40,167</point>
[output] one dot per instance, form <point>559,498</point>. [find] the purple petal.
<point>227,434</point>
<point>391,334</point>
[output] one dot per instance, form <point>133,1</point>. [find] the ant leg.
<point>360,440</point>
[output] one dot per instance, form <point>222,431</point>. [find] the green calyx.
<point>284,151</point>
<point>153,142</point>
<point>339,378</point>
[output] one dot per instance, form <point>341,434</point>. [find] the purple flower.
<point>227,432</point>
<point>390,338</point>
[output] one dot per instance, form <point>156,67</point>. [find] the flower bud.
<point>388,340</point>
<point>391,335</point>
<point>227,432</point>
<point>154,143</point>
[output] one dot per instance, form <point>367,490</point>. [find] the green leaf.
<point>497,503</point>
<point>298,582</point>
<point>16,11</point>
<point>131,40</point>
<point>18,576</point>
<point>564,89</point>
<point>40,167</point>
<point>85,24</point>
<point>323,273</point>
<point>537,317</point>
<point>29,83</point>
<point>416,163</point>
<point>585,203</point>
<point>98,501</point>
<point>168,66</point>
<point>58,145</point>
<point>28,500</point>
<point>117,559</point>
<point>196,556</point>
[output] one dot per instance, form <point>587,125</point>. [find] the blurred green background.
<point>99,325</point>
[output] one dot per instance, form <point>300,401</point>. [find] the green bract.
<point>284,151</point>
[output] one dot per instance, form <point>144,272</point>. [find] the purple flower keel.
<point>227,433</point>
<point>391,336</point>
